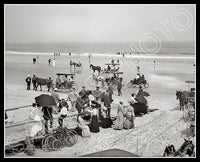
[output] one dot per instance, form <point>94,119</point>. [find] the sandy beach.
<point>152,131</point>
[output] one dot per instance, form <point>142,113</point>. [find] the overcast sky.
<point>94,23</point>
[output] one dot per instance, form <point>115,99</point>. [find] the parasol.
<point>140,98</point>
<point>45,100</point>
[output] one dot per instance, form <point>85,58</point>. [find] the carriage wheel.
<point>129,85</point>
<point>56,144</point>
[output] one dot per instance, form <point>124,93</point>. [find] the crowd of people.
<point>93,111</point>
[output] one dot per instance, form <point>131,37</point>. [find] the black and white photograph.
<point>99,80</point>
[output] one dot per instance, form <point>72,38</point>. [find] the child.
<point>63,113</point>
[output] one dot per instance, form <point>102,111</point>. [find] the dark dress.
<point>94,126</point>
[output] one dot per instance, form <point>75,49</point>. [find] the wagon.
<point>106,70</point>
<point>113,78</point>
<point>65,85</point>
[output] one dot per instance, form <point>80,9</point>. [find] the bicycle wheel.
<point>56,144</point>
<point>44,143</point>
<point>129,85</point>
<point>49,142</point>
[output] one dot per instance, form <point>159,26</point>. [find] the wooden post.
<point>30,146</point>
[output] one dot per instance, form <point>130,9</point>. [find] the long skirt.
<point>128,124</point>
<point>94,127</point>
<point>119,121</point>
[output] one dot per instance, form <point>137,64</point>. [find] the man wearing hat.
<point>107,101</point>
<point>80,104</point>
<point>83,91</point>
<point>28,82</point>
<point>34,82</point>
<point>97,93</point>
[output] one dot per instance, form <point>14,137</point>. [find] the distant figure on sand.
<point>28,82</point>
<point>154,64</point>
<point>120,117</point>
<point>49,61</point>
<point>34,60</point>
<point>138,69</point>
<point>119,87</point>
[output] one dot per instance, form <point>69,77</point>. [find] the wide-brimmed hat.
<point>83,86</point>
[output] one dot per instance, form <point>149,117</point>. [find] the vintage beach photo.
<point>99,80</point>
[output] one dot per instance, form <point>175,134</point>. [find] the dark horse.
<point>186,149</point>
<point>40,82</point>
<point>94,68</point>
<point>182,96</point>
<point>75,64</point>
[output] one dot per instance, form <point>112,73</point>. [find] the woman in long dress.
<point>83,126</point>
<point>129,118</point>
<point>94,126</point>
<point>120,117</point>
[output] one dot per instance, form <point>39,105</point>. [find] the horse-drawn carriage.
<point>187,105</point>
<point>111,67</point>
<point>65,83</point>
<point>138,82</point>
<point>113,78</point>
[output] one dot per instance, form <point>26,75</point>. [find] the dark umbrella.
<point>45,100</point>
<point>141,99</point>
<point>144,93</point>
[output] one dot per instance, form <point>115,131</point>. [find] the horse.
<point>75,64</point>
<point>183,98</point>
<point>94,68</point>
<point>186,149</point>
<point>40,82</point>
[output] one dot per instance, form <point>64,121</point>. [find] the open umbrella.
<point>141,99</point>
<point>144,93</point>
<point>45,100</point>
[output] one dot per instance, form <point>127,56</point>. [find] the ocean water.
<point>185,48</point>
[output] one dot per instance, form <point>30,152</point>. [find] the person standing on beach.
<point>138,69</point>
<point>63,113</point>
<point>110,89</point>
<point>80,105</point>
<point>37,59</point>
<point>94,126</point>
<point>47,114</point>
<point>154,63</point>
<point>107,101</point>
<point>34,82</point>
<point>28,82</point>
<point>119,87</point>
<point>120,117</point>
<point>49,62</point>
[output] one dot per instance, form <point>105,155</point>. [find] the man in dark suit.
<point>80,105</point>
<point>107,101</point>
<point>28,82</point>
